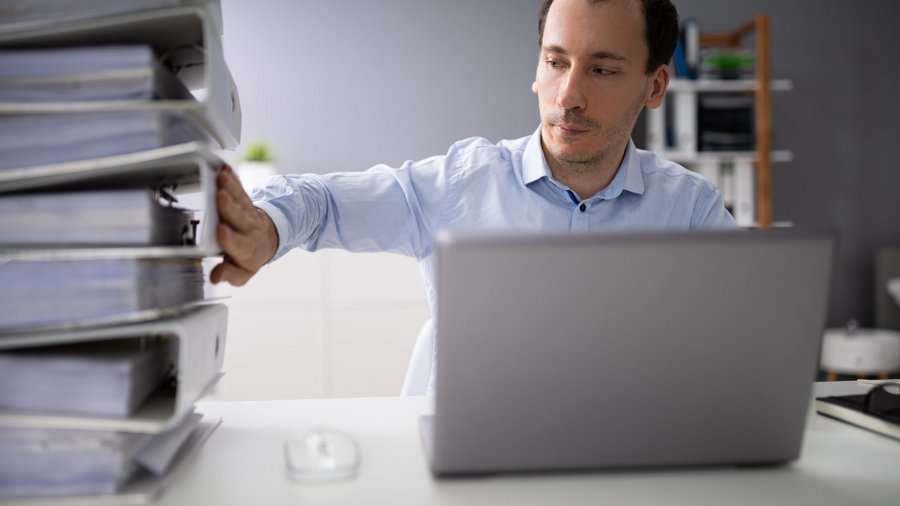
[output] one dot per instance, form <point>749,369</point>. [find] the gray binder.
<point>197,362</point>
<point>188,169</point>
<point>188,37</point>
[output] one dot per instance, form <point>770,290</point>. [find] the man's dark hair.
<point>661,29</point>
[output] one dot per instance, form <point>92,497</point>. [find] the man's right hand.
<point>245,233</point>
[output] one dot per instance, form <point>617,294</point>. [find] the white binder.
<point>744,193</point>
<point>198,358</point>
<point>143,488</point>
<point>656,128</point>
<point>188,37</point>
<point>709,168</point>
<point>185,169</point>
<point>685,104</point>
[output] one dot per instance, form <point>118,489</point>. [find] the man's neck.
<point>587,179</point>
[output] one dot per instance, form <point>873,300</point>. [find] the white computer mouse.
<point>321,455</point>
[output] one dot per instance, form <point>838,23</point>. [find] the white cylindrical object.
<point>864,351</point>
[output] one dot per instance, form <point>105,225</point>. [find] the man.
<point>601,62</point>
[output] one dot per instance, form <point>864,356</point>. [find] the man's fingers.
<point>244,233</point>
<point>229,182</point>
<point>236,215</point>
<point>230,273</point>
<point>242,248</point>
<point>217,275</point>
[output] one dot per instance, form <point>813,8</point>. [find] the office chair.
<point>418,372</point>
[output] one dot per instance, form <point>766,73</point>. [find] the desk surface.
<point>243,463</point>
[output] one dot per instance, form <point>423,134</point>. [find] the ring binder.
<point>219,107</point>
<point>139,128</point>
<point>186,167</point>
<point>198,355</point>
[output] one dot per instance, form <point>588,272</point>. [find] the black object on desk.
<point>878,410</point>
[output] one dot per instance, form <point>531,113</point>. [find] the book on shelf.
<point>687,49</point>
<point>103,378</point>
<point>130,216</point>
<point>685,122</point>
<point>852,409</point>
<point>679,63</point>
<point>691,34</point>
<point>725,122</point>
<point>744,194</point>
<point>76,292</point>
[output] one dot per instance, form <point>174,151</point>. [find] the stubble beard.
<point>592,162</point>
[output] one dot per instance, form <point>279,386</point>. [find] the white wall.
<point>344,86</point>
<point>326,324</point>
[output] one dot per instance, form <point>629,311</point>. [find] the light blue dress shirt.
<point>479,185</point>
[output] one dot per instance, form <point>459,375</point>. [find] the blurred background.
<point>342,86</point>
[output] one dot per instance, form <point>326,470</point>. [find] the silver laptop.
<point>565,352</point>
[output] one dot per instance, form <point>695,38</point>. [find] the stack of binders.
<point>110,113</point>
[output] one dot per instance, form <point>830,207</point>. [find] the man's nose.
<point>571,92</point>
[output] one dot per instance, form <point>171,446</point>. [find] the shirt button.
<point>583,208</point>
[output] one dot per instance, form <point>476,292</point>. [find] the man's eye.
<point>603,72</point>
<point>554,64</point>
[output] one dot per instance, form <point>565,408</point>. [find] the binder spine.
<point>656,128</point>
<point>744,191</point>
<point>686,122</point>
<point>200,355</point>
<point>220,110</point>
<point>223,106</point>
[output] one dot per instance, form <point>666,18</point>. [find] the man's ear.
<point>659,81</point>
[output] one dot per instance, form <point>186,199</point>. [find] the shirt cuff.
<point>282,227</point>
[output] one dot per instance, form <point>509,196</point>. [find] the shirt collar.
<point>534,165</point>
<point>628,178</point>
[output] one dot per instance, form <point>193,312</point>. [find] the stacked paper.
<point>105,343</point>
<point>77,462</point>
<point>99,217</point>
<point>68,104</point>
<point>105,378</point>
<point>45,138</point>
<point>86,74</point>
<point>105,410</point>
<point>69,292</point>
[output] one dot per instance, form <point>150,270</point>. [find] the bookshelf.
<point>744,175</point>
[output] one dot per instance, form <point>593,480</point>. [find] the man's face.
<point>591,79</point>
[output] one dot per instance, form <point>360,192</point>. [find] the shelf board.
<point>725,85</point>
<point>778,156</point>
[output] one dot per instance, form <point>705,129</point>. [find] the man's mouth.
<point>569,130</point>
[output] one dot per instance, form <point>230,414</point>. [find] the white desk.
<point>243,464</point>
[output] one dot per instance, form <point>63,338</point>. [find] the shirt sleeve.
<point>380,209</point>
